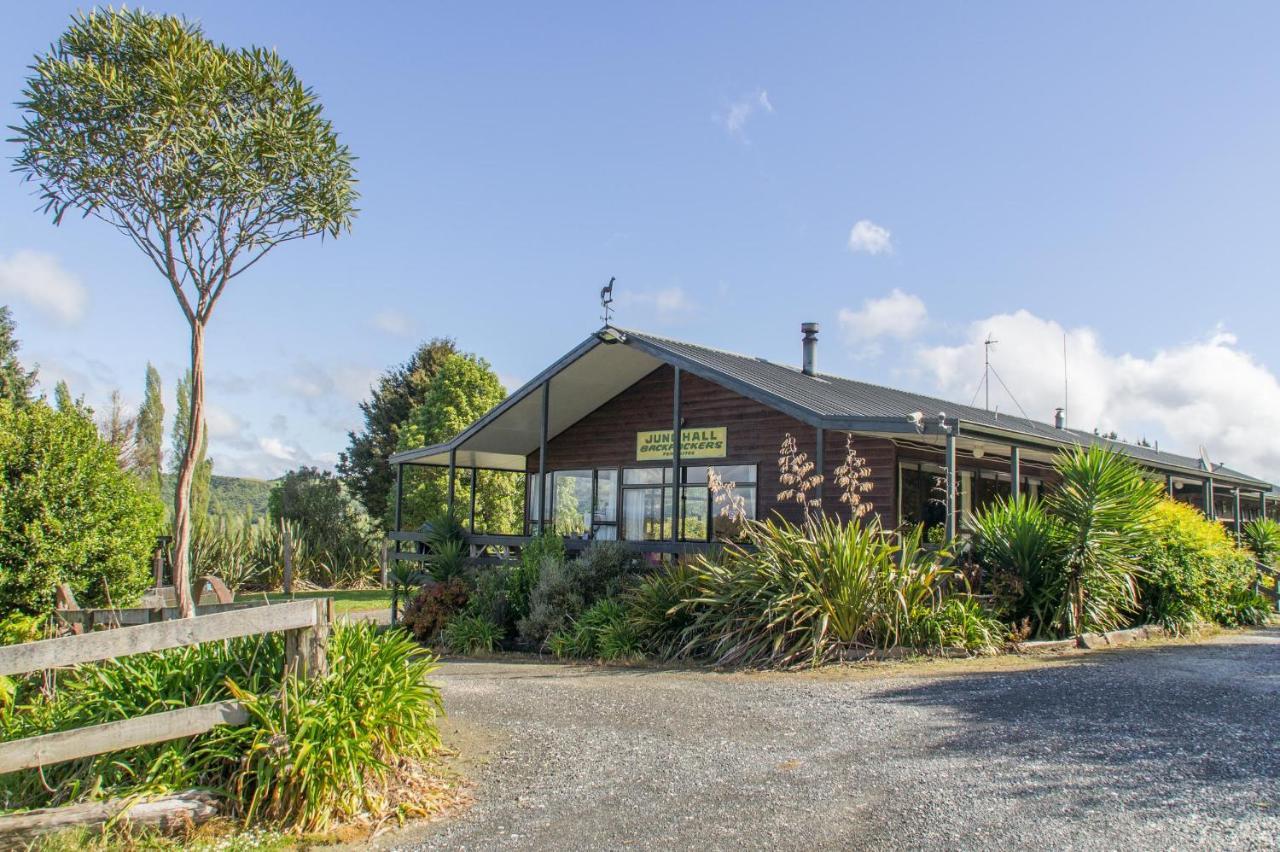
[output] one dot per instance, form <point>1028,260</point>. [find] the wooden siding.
<point>606,438</point>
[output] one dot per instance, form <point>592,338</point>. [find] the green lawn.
<point>344,600</point>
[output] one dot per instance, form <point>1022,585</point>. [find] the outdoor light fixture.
<point>978,452</point>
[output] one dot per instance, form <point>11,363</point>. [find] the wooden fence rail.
<point>305,624</point>
<point>144,638</point>
<point>114,736</point>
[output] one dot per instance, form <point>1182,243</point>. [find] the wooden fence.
<point>305,624</point>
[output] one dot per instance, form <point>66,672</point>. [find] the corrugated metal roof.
<point>828,396</point>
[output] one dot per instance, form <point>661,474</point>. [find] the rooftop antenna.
<point>606,300</point>
<point>986,368</point>
<point>1065,388</point>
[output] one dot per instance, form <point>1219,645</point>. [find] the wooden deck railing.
<point>305,625</point>
<point>493,549</point>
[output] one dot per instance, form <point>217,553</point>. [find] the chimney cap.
<point>809,327</point>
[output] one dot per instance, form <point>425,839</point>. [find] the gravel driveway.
<point>1149,747</point>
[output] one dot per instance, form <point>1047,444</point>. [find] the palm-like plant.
<point>1021,545</point>
<point>1103,505</point>
<point>1263,537</point>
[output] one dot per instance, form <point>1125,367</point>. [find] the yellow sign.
<point>707,443</point>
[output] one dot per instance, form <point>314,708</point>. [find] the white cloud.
<point>221,423</point>
<point>867,237</point>
<point>1205,392</point>
<point>668,303</point>
<point>277,449</point>
<point>737,114</point>
<point>39,280</point>
<point>392,323</point>
<point>900,315</point>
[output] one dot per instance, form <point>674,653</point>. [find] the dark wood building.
<point>593,435</point>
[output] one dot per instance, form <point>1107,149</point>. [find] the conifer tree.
<point>16,383</point>
<point>149,462</point>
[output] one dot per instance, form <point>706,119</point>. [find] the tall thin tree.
<point>16,383</point>
<point>205,157</point>
<point>150,433</point>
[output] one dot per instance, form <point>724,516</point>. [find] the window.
<point>924,492</point>
<point>648,511</point>
<point>580,503</point>
<point>571,496</point>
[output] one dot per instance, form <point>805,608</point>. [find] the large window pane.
<point>606,496</point>
<point>534,495</point>
<point>694,526</point>
<point>572,501</point>
<point>727,520</point>
<point>642,513</point>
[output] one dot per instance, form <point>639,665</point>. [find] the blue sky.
<point>1107,170</point>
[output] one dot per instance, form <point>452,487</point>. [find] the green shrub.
<point>448,560</point>
<point>472,634</point>
<point>547,546</point>
<point>1263,538</point>
<point>603,631</point>
<point>1072,564</point>
<point>1017,542</point>
<point>322,749</point>
<point>1195,574</point>
<point>958,623</point>
<point>490,597</point>
<point>436,603</point>
<point>657,610</point>
<point>810,594</point>
<point>68,513</point>
<point>1103,504</point>
<point>604,569</point>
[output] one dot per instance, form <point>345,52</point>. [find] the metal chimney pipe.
<point>1059,418</point>
<point>810,331</point>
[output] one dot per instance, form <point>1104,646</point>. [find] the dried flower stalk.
<point>854,479</point>
<point>795,473</point>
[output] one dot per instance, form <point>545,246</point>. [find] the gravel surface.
<point>1155,746</point>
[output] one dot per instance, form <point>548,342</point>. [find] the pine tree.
<point>16,383</point>
<point>119,429</point>
<point>149,462</point>
<point>204,467</point>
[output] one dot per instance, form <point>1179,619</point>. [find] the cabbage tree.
<point>205,157</point>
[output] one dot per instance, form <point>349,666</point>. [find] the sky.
<point>914,177</point>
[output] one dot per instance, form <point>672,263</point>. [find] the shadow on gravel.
<point>1161,723</point>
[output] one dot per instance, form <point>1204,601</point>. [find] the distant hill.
<point>230,495</point>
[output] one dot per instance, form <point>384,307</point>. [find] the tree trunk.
<point>182,498</point>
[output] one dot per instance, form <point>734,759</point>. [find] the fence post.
<point>287,542</point>
<point>306,651</point>
<point>382,564</point>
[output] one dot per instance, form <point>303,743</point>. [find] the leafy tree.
<point>149,458</point>
<point>204,156</point>
<point>16,384</point>
<point>363,466</point>
<point>68,513</point>
<point>318,503</point>
<point>203,466</point>
<point>464,389</point>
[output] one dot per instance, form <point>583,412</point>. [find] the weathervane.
<point>606,299</point>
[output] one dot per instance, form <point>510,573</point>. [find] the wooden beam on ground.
<point>52,748</point>
<point>108,644</point>
<point>170,813</point>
